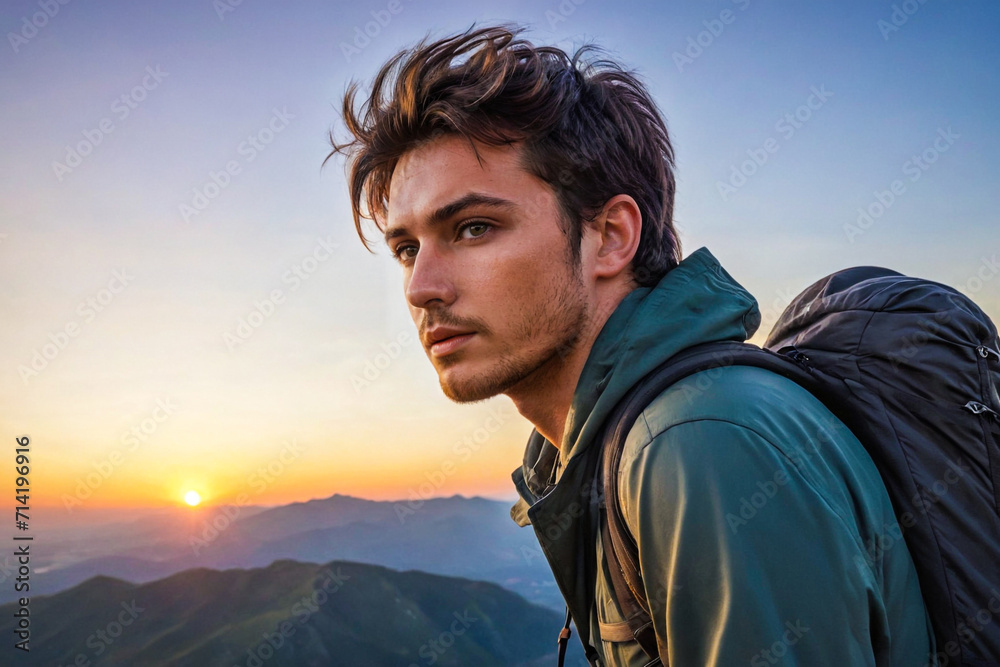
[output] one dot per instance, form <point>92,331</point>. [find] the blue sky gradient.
<point>224,76</point>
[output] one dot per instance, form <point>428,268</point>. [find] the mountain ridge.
<point>336,613</point>
<point>470,537</point>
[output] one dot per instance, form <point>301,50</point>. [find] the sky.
<point>185,304</point>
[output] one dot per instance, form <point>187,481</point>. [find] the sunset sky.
<point>186,305</point>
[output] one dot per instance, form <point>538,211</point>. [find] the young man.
<point>529,197</point>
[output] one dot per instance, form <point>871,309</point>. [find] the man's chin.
<point>468,392</point>
<point>472,387</point>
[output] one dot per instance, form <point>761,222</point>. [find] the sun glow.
<point>192,498</point>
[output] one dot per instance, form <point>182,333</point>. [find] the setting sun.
<point>192,498</point>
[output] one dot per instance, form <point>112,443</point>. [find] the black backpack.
<point>912,367</point>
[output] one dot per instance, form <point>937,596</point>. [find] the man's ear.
<point>619,225</point>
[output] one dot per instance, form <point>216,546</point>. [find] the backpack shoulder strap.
<point>620,548</point>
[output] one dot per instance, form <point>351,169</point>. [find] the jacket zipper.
<point>985,352</point>
<point>991,426</point>
<point>977,408</point>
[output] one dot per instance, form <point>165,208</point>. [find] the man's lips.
<point>448,345</point>
<point>439,332</point>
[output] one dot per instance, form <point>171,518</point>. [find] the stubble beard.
<point>560,320</point>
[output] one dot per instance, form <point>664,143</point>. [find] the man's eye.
<point>474,229</point>
<point>402,253</point>
<point>470,230</point>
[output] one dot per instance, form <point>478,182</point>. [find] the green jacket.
<point>765,533</point>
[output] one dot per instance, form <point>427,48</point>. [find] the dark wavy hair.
<point>588,128</point>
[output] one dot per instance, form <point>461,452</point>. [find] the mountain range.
<point>457,536</point>
<point>290,614</point>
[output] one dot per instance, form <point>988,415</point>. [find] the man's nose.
<point>429,279</point>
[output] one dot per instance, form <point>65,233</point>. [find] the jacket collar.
<point>696,302</point>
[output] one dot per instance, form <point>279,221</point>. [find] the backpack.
<point>912,368</point>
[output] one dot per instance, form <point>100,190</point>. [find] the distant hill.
<point>290,614</point>
<point>457,536</point>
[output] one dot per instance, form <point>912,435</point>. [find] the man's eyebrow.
<point>451,209</point>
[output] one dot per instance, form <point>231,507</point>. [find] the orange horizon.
<point>180,504</point>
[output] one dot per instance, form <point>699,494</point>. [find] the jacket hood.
<point>696,302</point>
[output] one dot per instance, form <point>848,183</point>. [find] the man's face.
<point>486,266</point>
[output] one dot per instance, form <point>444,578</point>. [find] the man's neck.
<point>544,398</point>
